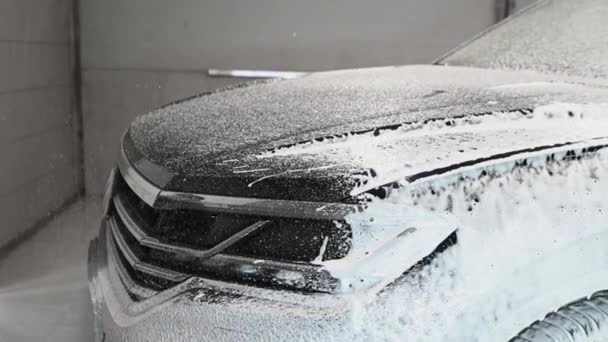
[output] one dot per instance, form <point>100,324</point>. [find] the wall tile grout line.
<point>77,113</point>
<point>37,88</point>
<point>34,42</point>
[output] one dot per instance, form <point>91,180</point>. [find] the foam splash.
<point>526,231</point>
<point>532,236</point>
<point>390,154</point>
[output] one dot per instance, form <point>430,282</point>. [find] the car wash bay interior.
<point>74,73</point>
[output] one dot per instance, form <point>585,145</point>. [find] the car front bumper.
<point>206,310</point>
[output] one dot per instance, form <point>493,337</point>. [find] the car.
<point>458,201</point>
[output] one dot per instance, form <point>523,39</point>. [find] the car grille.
<point>156,249</point>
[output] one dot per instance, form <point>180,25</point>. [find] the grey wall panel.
<point>45,21</point>
<point>25,65</point>
<point>35,200</point>
<point>39,170</point>
<point>26,113</point>
<point>139,54</point>
<point>306,35</point>
<point>35,156</point>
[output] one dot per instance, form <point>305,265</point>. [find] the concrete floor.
<point>44,293</point>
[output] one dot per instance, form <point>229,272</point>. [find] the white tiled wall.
<point>139,54</point>
<point>38,144</point>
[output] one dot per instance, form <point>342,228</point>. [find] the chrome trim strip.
<point>216,259</point>
<point>124,275</point>
<point>139,265</point>
<point>161,273</point>
<point>212,259</point>
<point>160,199</point>
<point>102,274</point>
<point>109,192</point>
<point>254,206</point>
<point>202,254</point>
<point>127,220</point>
<point>234,238</point>
<point>122,244</point>
<point>150,242</point>
<point>147,191</point>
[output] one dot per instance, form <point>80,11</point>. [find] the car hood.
<point>329,136</point>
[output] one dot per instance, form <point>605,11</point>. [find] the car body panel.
<point>205,309</point>
<point>213,144</point>
<point>507,158</point>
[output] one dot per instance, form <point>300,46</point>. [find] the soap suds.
<point>319,258</point>
<point>532,231</point>
<point>526,227</point>
<point>307,170</point>
<point>393,153</point>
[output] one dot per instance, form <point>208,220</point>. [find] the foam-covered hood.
<point>327,136</point>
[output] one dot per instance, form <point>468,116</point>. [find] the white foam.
<point>423,146</point>
<point>529,242</point>
<point>532,236</point>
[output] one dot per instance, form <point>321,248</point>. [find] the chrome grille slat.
<point>138,265</point>
<point>253,206</point>
<point>124,275</point>
<point>150,242</point>
<point>127,220</point>
<point>202,254</point>
<point>122,244</point>
<point>320,280</point>
<point>137,203</point>
<point>142,187</point>
<point>161,272</point>
<point>219,259</point>
<point>234,239</point>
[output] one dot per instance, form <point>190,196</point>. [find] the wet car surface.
<point>415,202</point>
